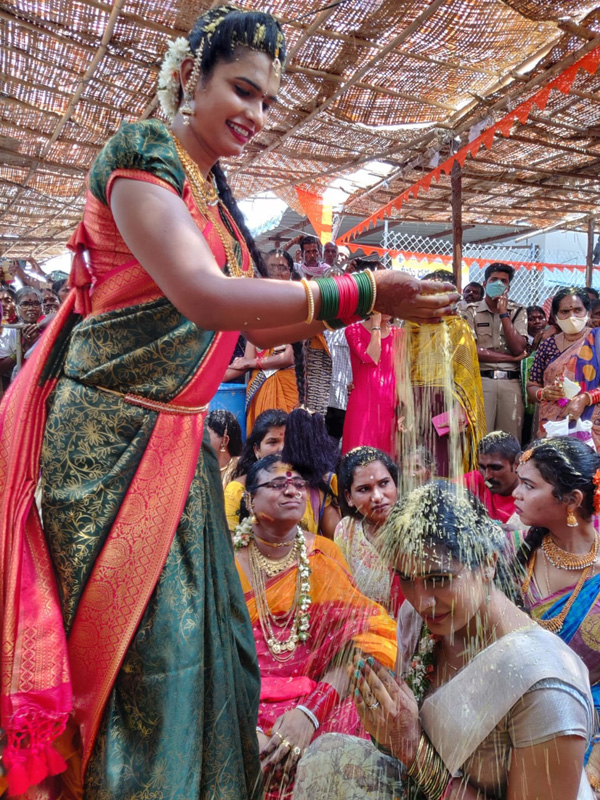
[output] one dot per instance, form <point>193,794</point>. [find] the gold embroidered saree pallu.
<point>163,670</point>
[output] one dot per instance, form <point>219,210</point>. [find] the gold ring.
<point>278,734</point>
<point>286,744</point>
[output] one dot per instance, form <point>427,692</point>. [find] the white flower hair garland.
<point>168,77</point>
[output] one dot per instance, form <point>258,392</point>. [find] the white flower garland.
<point>168,77</point>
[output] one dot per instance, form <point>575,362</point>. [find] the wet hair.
<point>499,443</point>
<point>309,447</point>
<point>440,275</point>
<point>566,464</point>
<point>223,422</point>
<point>266,463</point>
<point>271,418</point>
<point>58,285</point>
<point>284,254</point>
<point>309,240</point>
<point>26,290</point>
<point>498,266</point>
<point>220,32</point>
<point>360,457</point>
<point>444,516</point>
<point>536,309</point>
<point>570,291</point>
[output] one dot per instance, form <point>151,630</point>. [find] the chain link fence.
<point>534,280</point>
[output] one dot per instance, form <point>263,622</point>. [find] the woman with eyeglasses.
<point>484,703</point>
<point>572,354</point>
<point>308,619</point>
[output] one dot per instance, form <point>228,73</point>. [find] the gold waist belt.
<point>153,405</point>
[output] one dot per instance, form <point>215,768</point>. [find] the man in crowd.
<point>493,483</point>
<point>473,292</point>
<point>330,254</point>
<point>312,266</point>
<point>500,329</point>
<point>341,378</point>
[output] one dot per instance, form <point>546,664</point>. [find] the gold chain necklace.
<point>555,624</point>
<point>562,559</point>
<point>272,567</point>
<point>206,198</point>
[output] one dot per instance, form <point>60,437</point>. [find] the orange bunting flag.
<point>319,213</point>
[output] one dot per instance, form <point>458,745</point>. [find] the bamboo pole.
<point>589,260</point>
<point>457,228</point>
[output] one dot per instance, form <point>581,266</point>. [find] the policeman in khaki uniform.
<point>500,330</point>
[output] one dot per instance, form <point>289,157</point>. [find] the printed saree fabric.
<point>579,363</point>
<point>340,617</point>
<point>581,630</point>
<point>159,656</point>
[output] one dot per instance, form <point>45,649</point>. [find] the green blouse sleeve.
<point>145,146</point>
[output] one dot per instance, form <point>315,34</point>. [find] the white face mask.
<point>572,324</point>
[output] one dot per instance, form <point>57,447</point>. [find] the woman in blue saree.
<point>558,495</point>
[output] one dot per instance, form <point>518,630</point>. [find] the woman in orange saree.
<point>121,611</point>
<point>308,619</point>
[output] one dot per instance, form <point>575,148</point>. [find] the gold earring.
<point>571,519</point>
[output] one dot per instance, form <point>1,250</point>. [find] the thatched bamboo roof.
<point>72,70</point>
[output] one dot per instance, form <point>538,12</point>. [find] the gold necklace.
<point>272,567</point>
<point>562,559</point>
<point>555,624</point>
<point>287,543</point>
<point>206,198</point>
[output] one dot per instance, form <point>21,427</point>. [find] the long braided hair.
<point>220,32</point>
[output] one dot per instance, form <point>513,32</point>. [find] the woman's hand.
<point>387,708</point>
<point>290,736</point>
<point>240,364</point>
<point>29,335</point>
<point>400,295</point>
<point>553,392</point>
<point>575,407</point>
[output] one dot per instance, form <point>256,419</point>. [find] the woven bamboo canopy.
<point>399,81</point>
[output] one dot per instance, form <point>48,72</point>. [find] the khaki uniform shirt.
<point>489,333</point>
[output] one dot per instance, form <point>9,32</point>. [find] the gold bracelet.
<point>371,277</point>
<point>432,775</point>
<point>310,300</point>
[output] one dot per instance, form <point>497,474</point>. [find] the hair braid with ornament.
<point>566,464</point>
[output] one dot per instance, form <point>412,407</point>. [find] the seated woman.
<point>571,353</point>
<point>267,437</point>
<point>307,618</point>
<point>315,455</point>
<point>226,440</point>
<point>557,495</point>
<point>368,481</point>
<point>485,703</point>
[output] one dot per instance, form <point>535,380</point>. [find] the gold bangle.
<point>310,300</point>
<point>432,776</point>
<point>371,277</point>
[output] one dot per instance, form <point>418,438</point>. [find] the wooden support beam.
<point>589,264</point>
<point>457,228</point>
<point>441,234</point>
<point>502,236</point>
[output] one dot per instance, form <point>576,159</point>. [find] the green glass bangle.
<point>330,298</point>
<point>334,324</point>
<point>365,293</point>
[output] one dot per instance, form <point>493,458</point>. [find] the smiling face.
<point>29,308</point>
<point>230,106</point>
<point>535,502</point>
<point>283,504</point>
<point>446,594</point>
<point>373,492</point>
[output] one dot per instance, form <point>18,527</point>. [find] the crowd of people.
<point>388,588</point>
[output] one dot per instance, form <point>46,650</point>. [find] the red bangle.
<point>594,395</point>
<point>322,700</point>
<point>539,395</point>
<point>348,291</point>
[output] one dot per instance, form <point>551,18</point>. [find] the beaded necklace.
<point>209,205</point>
<point>281,632</point>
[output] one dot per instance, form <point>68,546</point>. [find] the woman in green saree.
<point>125,637</point>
